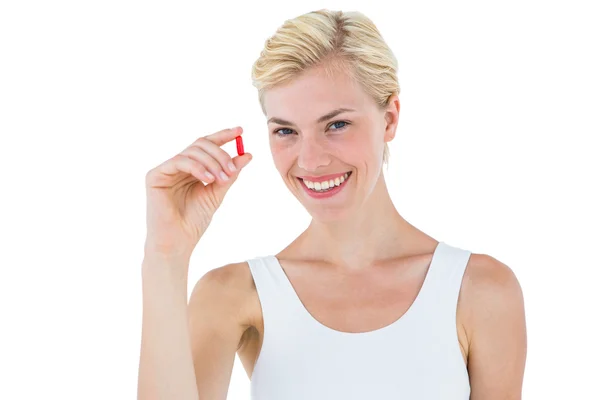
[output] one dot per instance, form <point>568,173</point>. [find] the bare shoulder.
<point>228,289</point>
<point>487,278</point>
<point>489,288</point>
<point>235,276</point>
<point>494,318</point>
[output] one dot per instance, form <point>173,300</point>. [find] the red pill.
<point>239,145</point>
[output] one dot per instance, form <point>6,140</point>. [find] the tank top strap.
<point>444,281</point>
<point>276,295</point>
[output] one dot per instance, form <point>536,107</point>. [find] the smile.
<point>326,188</point>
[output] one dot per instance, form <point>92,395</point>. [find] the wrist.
<point>176,262</point>
<point>164,276</point>
<point>153,249</point>
<point>170,259</point>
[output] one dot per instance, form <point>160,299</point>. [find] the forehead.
<point>313,94</point>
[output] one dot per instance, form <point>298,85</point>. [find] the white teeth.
<point>325,185</point>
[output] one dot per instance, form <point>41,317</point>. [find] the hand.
<point>184,192</point>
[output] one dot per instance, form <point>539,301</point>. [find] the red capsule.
<point>239,145</point>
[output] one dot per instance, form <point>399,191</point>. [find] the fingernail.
<point>231,166</point>
<point>223,176</point>
<point>209,175</point>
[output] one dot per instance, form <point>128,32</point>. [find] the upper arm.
<point>497,331</point>
<point>216,325</point>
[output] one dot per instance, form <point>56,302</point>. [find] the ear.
<point>392,113</point>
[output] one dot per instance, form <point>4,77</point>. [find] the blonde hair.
<point>340,42</point>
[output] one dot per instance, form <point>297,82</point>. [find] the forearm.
<point>166,369</point>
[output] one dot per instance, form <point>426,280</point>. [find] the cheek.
<point>361,149</point>
<point>279,148</point>
<point>356,145</point>
<point>281,153</point>
<point>371,141</point>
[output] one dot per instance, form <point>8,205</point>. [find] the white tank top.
<point>416,357</point>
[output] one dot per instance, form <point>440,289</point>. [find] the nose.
<point>312,154</point>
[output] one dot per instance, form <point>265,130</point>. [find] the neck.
<point>376,231</point>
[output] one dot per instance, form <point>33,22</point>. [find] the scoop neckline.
<point>393,325</point>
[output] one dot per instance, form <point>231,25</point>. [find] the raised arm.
<point>180,207</point>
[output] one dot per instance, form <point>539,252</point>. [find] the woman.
<point>361,304</point>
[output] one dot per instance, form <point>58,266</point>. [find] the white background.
<point>495,152</point>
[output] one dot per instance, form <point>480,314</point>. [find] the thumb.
<point>241,161</point>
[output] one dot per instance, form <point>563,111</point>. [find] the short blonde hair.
<point>340,42</point>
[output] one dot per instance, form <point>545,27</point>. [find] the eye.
<point>282,134</point>
<point>278,133</point>
<point>340,122</point>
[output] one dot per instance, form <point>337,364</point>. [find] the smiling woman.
<point>361,304</point>
<point>330,154</point>
<point>298,47</point>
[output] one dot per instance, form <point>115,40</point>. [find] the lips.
<point>326,194</point>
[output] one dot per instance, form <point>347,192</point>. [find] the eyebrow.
<point>324,118</point>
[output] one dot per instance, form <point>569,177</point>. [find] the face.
<point>314,146</point>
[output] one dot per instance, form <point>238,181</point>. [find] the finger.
<point>224,136</point>
<point>207,161</point>
<point>182,163</point>
<point>240,162</point>
<point>216,152</point>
